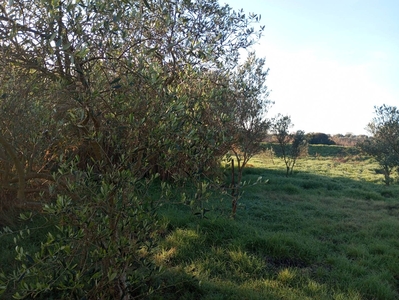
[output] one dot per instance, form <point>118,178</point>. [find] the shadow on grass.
<point>307,235</point>
<point>306,183</point>
<point>222,260</point>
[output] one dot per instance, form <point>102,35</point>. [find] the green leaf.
<point>25,216</point>
<point>115,80</point>
<point>152,50</point>
<point>21,277</point>
<point>52,37</point>
<point>30,259</point>
<point>112,276</point>
<point>83,52</point>
<point>2,289</point>
<point>66,46</point>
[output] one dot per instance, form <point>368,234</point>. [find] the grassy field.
<point>330,231</point>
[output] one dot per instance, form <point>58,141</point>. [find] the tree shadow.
<point>305,182</point>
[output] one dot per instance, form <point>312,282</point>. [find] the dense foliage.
<point>319,138</point>
<point>384,144</point>
<point>100,97</point>
<point>291,145</point>
<point>151,82</point>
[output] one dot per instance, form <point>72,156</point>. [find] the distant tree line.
<point>319,139</point>
<point>347,140</point>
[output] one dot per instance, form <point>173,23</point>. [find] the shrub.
<point>100,247</point>
<point>320,138</point>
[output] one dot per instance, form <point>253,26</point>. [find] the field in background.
<point>330,231</point>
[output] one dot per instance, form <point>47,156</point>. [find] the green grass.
<point>330,231</point>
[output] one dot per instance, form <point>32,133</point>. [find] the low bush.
<point>100,244</point>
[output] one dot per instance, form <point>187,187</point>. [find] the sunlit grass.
<point>330,231</point>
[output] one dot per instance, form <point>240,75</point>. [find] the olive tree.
<point>250,103</point>
<point>113,72</point>
<point>384,143</point>
<point>101,97</point>
<point>250,96</point>
<point>292,146</point>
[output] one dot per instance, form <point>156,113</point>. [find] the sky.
<point>331,61</point>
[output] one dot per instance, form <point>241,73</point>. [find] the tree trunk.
<point>387,178</point>
<point>18,167</point>
<point>233,190</point>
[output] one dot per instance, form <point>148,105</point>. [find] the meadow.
<point>329,231</point>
